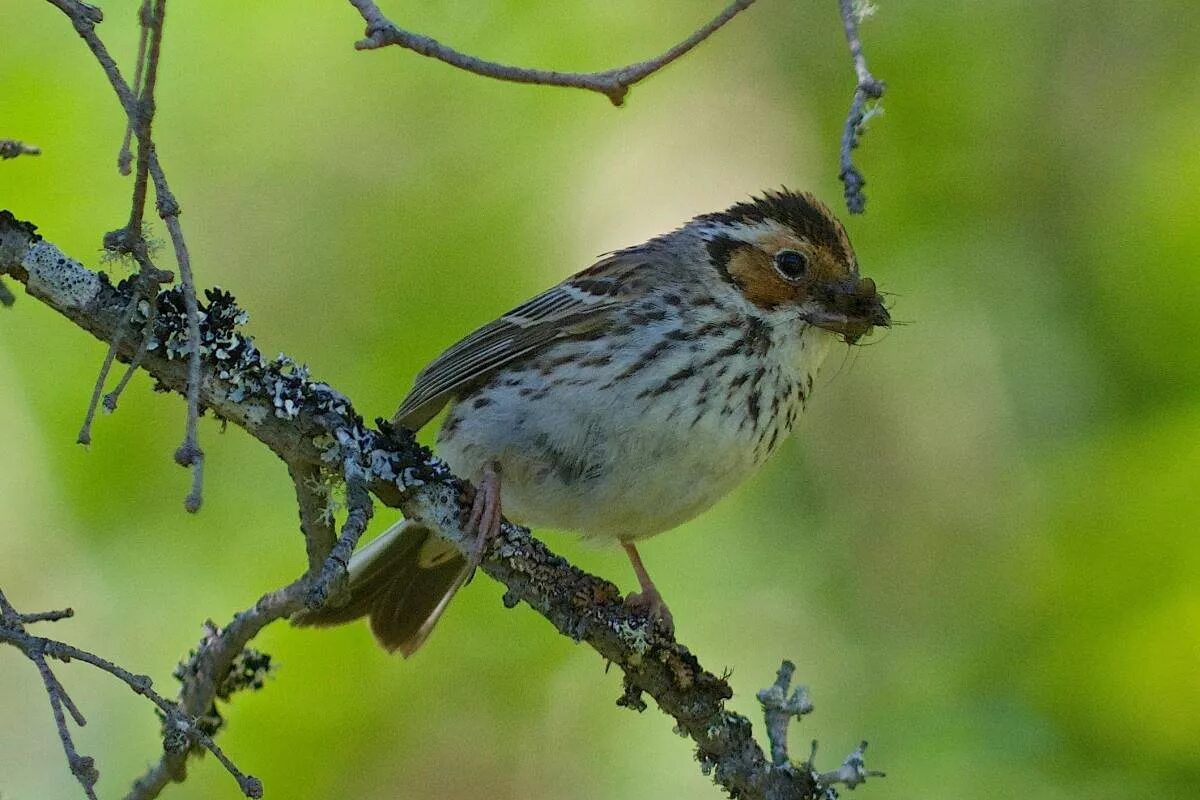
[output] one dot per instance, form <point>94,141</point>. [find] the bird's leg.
<point>484,520</point>
<point>648,598</point>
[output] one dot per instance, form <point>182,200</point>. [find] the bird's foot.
<point>484,520</point>
<point>648,599</point>
<point>651,603</point>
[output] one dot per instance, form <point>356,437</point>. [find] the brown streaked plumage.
<point>626,399</point>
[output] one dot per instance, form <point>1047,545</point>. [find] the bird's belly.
<point>639,480</point>
<point>604,463</point>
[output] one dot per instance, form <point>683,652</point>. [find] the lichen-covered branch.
<point>613,83</point>
<point>313,503</point>
<point>205,676</point>
<point>316,431</point>
<point>779,709</point>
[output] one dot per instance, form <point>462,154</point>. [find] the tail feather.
<point>402,581</point>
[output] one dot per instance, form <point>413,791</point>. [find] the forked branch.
<point>181,730</point>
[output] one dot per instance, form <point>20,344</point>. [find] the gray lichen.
<point>53,274</point>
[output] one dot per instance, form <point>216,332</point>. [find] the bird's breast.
<point>631,434</point>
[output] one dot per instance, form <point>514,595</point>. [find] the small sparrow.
<point>625,400</point>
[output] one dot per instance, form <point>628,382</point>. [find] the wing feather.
<point>570,308</point>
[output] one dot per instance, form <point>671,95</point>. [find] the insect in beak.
<point>851,307</point>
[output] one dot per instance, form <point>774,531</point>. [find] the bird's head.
<point>785,251</point>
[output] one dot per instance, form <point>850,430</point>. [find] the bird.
<point>623,401</point>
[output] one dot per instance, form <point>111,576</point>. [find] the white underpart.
<point>599,456</point>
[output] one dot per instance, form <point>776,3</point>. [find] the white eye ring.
<point>791,264</point>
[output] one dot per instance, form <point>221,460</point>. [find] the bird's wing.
<point>576,306</point>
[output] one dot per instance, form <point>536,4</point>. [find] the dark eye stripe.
<point>720,250</point>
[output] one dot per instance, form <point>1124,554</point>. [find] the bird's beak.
<point>851,307</point>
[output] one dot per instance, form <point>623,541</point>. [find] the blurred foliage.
<point>981,550</point>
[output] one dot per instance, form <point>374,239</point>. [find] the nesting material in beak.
<point>850,307</point>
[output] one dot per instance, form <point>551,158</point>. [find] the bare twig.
<point>139,110</point>
<point>332,576</point>
<point>124,157</point>
<point>6,296</point>
<point>85,430</point>
<point>12,631</point>
<point>11,148</point>
<point>851,773</point>
<point>613,83</point>
<point>145,80</point>
<point>38,649</point>
<point>313,503</point>
<point>779,709</point>
<point>84,18</point>
<point>188,453</point>
<point>866,89</point>
<point>46,616</point>
<point>111,399</point>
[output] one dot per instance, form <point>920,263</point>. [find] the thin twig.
<point>139,110</point>
<point>67,702</point>
<point>189,453</point>
<point>11,148</point>
<point>145,74</point>
<point>204,673</point>
<point>37,649</point>
<point>7,298</point>
<point>613,83</point>
<point>111,399</point>
<point>866,89</point>
<point>85,431</point>
<point>312,501</point>
<point>851,773</point>
<point>85,18</point>
<point>332,577</point>
<point>82,767</point>
<point>47,616</point>
<point>12,630</point>
<point>124,157</point>
<point>779,709</point>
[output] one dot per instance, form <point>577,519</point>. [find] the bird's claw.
<point>483,522</point>
<point>650,602</point>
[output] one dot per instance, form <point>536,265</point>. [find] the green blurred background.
<point>980,550</point>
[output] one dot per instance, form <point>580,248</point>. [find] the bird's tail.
<point>402,581</point>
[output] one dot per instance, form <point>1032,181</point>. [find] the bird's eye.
<point>791,264</point>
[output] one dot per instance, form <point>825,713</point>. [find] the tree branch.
<point>138,103</point>
<point>613,83</point>
<point>866,89</point>
<point>177,725</point>
<point>11,148</point>
<point>312,427</point>
<point>204,677</point>
<point>779,709</point>
<point>313,502</point>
